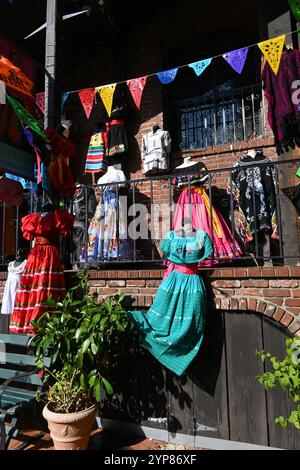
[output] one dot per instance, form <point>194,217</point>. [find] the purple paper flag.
<point>236,59</point>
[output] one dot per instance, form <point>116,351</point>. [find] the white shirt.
<point>156,148</point>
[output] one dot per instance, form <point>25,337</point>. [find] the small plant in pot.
<point>84,339</point>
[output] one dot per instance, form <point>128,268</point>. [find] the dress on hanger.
<point>115,136</point>
<point>283,108</point>
<point>15,271</point>
<point>95,160</point>
<point>194,203</point>
<point>253,189</point>
<point>84,204</point>
<point>43,274</point>
<point>173,328</point>
<point>108,240</point>
<point>156,146</point>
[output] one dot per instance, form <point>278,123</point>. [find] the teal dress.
<point>172,329</point>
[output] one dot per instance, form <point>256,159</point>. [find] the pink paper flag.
<point>136,87</point>
<point>236,59</point>
<point>87,96</point>
<point>40,101</point>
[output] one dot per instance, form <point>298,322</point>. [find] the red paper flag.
<point>40,101</point>
<point>87,100</point>
<point>136,87</point>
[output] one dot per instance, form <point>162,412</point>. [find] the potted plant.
<point>84,339</point>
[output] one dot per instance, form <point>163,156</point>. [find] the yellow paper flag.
<point>107,93</point>
<point>272,50</point>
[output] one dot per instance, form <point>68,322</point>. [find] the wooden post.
<point>52,101</point>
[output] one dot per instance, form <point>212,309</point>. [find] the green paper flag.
<point>295,7</point>
<point>26,118</point>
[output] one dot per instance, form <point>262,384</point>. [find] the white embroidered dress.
<point>11,286</point>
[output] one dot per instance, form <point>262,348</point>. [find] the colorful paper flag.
<point>295,7</point>
<point>272,50</point>
<point>167,76</point>
<point>200,66</point>
<point>40,101</point>
<point>64,97</point>
<point>136,87</point>
<point>237,58</point>
<point>87,97</point>
<point>107,94</point>
<point>13,77</point>
<point>27,120</point>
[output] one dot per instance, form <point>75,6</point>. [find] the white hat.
<point>187,162</point>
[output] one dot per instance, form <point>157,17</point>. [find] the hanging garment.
<point>108,240</point>
<point>155,152</point>
<point>43,273</point>
<point>104,243</point>
<point>84,206</point>
<point>283,113</point>
<point>253,190</point>
<point>115,137</point>
<point>59,172</point>
<point>95,161</point>
<point>206,218</point>
<point>173,327</point>
<point>15,271</point>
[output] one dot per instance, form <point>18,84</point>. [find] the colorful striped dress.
<point>44,273</point>
<point>173,328</point>
<point>95,161</point>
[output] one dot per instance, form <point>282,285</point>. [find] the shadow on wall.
<point>144,387</point>
<point>205,368</point>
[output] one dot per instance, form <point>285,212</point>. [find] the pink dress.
<point>225,248</point>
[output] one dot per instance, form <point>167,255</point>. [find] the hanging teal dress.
<point>172,329</point>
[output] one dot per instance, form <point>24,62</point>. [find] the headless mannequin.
<point>48,207</point>
<point>251,153</point>
<point>187,230</point>
<point>21,256</point>
<point>155,128</point>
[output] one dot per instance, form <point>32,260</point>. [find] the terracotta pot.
<point>70,431</point>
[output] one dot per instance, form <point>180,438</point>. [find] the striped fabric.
<point>95,161</point>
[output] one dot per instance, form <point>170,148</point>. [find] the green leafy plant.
<point>286,374</point>
<point>84,339</point>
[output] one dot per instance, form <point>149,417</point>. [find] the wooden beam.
<point>54,17</point>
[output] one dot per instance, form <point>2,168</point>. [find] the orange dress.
<point>44,273</point>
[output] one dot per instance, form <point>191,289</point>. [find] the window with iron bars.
<point>221,116</point>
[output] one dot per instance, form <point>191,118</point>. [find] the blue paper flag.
<point>200,66</point>
<point>64,97</point>
<point>167,76</point>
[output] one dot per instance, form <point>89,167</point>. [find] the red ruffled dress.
<point>44,273</point>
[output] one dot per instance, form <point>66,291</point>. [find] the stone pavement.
<point>105,440</point>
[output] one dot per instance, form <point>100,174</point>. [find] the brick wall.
<point>272,291</point>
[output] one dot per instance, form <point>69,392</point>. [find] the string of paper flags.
<point>271,49</point>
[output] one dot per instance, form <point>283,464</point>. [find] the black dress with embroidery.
<point>116,141</point>
<point>253,189</point>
